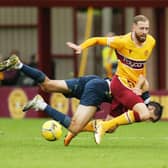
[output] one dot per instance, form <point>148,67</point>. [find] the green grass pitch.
<point>142,145</point>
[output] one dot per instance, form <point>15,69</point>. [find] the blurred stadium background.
<point>37,30</point>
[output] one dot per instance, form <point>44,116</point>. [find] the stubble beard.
<point>141,38</point>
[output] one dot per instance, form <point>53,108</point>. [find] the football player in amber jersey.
<point>133,50</point>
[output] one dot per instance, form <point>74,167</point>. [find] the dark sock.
<point>64,120</point>
<point>146,97</point>
<point>34,73</point>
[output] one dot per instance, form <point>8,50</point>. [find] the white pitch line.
<point>127,138</point>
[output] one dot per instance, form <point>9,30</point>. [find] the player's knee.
<point>45,86</point>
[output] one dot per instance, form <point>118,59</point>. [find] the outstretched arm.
<point>88,43</point>
<point>77,48</point>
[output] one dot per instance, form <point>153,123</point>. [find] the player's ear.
<point>133,27</point>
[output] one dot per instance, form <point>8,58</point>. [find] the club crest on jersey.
<point>130,51</point>
<point>146,53</point>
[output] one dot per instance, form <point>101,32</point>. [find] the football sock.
<point>19,65</point>
<point>68,138</point>
<point>126,118</point>
<point>146,97</point>
<point>34,73</point>
<point>64,120</point>
<point>89,127</point>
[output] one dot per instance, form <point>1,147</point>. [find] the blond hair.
<point>140,18</point>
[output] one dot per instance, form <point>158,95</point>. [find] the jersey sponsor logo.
<point>131,63</point>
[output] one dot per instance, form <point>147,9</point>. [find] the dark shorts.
<point>91,90</point>
<point>124,98</point>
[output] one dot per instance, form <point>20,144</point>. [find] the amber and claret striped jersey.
<point>131,58</point>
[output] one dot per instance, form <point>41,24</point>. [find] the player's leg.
<point>118,109</point>
<point>87,91</point>
<point>155,113</point>
<point>81,117</point>
<point>43,81</point>
<point>96,92</point>
<point>38,103</point>
<point>51,86</point>
<point>130,100</point>
<point>75,125</point>
<point>79,121</point>
<point>128,117</point>
<point>139,113</point>
<point>38,76</point>
<point>90,127</point>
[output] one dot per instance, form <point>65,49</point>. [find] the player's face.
<point>141,29</point>
<point>151,111</point>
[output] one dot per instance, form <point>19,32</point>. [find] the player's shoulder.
<point>150,37</point>
<point>125,36</point>
<point>121,38</point>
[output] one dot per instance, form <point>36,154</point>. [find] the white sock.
<point>20,65</point>
<point>42,105</point>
